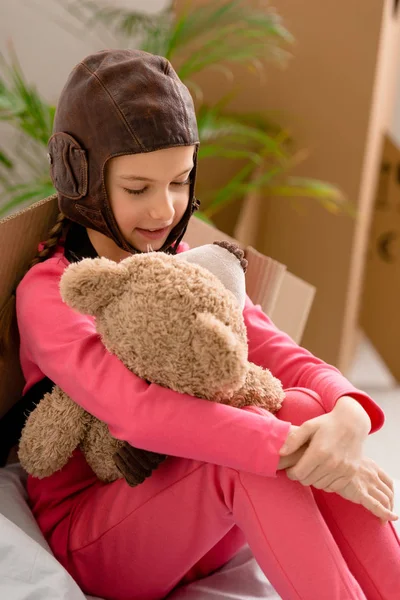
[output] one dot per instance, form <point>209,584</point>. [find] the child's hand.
<point>371,488</point>
<point>285,462</point>
<point>335,443</point>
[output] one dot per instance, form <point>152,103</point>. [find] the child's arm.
<point>296,367</point>
<point>65,346</point>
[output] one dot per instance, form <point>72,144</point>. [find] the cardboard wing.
<point>20,235</point>
<point>285,298</point>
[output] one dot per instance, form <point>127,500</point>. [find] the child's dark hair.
<point>8,327</point>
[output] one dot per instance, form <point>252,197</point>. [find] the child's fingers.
<point>386,479</point>
<point>382,498</point>
<point>387,491</point>
<point>377,509</point>
<point>297,437</point>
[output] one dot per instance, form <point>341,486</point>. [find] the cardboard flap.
<point>264,278</point>
<point>20,235</point>
<point>293,303</point>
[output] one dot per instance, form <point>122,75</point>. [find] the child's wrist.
<point>353,414</point>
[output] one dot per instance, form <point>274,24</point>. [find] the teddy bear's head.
<point>169,321</point>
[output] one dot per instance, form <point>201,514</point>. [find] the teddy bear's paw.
<point>261,388</point>
<point>99,448</point>
<point>51,433</point>
<point>136,465</point>
<point>235,250</point>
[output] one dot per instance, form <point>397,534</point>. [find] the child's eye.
<point>180,183</point>
<point>135,192</point>
<point>138,192</point>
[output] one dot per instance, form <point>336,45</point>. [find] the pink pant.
<point>190,518</point>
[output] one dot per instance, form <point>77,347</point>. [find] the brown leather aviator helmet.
<point>117,102</point>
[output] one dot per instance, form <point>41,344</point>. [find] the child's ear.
<point>90,285</point>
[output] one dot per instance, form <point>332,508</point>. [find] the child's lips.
<point>153,235</point>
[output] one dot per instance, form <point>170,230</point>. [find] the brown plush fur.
<point>171,323</point>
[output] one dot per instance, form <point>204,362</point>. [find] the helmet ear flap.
<point>68,166</point>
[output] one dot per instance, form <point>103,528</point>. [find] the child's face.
<point>149,192</point>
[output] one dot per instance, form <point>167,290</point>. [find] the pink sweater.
<point>63,345</point>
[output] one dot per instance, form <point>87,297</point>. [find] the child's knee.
<point>300,405</point>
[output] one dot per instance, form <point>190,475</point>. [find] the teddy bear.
<point>176,321</point>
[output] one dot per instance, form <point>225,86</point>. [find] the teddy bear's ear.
<point>219,352</point>
<point>90,285</point>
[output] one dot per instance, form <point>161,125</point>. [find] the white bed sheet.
<point>29,571</point>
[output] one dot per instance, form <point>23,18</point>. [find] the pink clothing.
<point>121,542</point>
<point>189,518</point>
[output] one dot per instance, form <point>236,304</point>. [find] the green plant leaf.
<point>312,188</point>
<point>231,191</point>
<point>214,35</point>
<point>195,22</point>
<point>21,105</point>
<point>203,217</point>
<point>28,193</point>
<point>5,161</point>
<point>201,36</point>
<point>215,126</point>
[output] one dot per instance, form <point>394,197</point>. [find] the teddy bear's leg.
<point>51,433</point>
<point>99,448</point>
<point>261,388</point>
<point>135,464</point>
<point>113,459</point>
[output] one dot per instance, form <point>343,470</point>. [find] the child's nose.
<point>162,210</point>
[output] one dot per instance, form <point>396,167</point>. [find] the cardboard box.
<point>380,314</point>
<point>285,298</point>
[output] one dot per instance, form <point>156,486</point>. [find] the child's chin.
<point>151,245</point>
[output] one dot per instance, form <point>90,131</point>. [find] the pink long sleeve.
<point>63,345</point>
<point>296,367</point>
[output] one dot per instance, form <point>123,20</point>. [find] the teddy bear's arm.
<point>261,388</point>
<point>51,433</point>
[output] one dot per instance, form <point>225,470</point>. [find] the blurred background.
<point>299,116</point>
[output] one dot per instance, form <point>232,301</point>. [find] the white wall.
<point>40,31</point>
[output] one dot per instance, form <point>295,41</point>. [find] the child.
<point>123,159</point>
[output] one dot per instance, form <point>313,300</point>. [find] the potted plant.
<point>211,36</point>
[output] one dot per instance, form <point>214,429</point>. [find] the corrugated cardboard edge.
<point>264,278</point>
<point>20,235</point>
<point>293,305</point>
